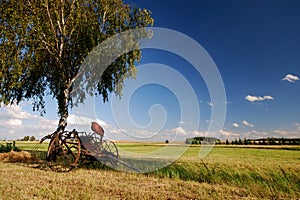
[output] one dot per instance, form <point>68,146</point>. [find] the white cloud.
<point>14,122</point>
<point>16,112</point>
<point>288,133</point>
<point>84,121</point>
<point>255,134</point>
<point>210,103</point>
<point>79,120</point>
<point>236,125</point>
<point>291,78</point>
<point>115,130</point>
<point>228,134</point>
<point>294,133</point>
<point>296,124</point>
<point>179,130</point>
<point>282,132</point>
<point>258,98</point>
<point>247,124</point>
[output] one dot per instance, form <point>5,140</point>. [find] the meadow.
<point>227,172</point>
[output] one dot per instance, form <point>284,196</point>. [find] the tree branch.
<point>52,25</point>
<point>48,46</point>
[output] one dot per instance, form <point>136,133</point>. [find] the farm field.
<point>228,172</point>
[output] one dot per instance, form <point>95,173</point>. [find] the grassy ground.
<point>227,172</point>
<point>27,183</point>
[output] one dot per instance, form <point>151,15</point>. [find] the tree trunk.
<point>64,112</point>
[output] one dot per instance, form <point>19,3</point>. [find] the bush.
<point>9,147</point>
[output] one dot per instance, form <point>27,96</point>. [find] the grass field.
<point>228,172</point>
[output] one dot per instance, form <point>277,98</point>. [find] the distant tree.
<point>26,138</point>
<point>240,141</point>
<point>246,141</point>
<point>32,138</point>
<point>227,142</point>
<point>44,42</point>
<point>272,141</point>
<point>167,141</point>
<point>188,140</point>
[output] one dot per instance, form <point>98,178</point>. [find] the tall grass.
<point>260,173</point>
<point>277,183</point>
<point>266,173</point>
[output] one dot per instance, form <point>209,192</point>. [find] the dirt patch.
<point>22,156</point>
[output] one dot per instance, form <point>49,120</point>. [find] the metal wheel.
<point>109,152</point>
<point>91,142</point>
<point>64,151</point>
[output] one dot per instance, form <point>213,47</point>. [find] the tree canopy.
<point>44,42</point>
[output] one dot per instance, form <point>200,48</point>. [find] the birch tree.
<point>44,42</point>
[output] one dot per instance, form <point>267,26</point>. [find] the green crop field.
<point>227,172</point>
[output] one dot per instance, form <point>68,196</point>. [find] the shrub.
<point>9,147</point>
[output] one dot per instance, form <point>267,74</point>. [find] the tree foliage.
<point>26,138</point>
<point>44,42</point>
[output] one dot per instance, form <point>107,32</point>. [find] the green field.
<point>228,172</point>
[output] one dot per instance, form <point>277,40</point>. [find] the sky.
<point>254,47</point>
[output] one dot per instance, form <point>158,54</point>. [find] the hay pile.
<point>13,156</point>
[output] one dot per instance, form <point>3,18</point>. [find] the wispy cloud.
<point>258,98</point>
<point>286,133</point>
<point>179,130</point>
<point>228,134</point>
<point>291,78</point>
<point>181,123</point>
<point>247,124</point>
<point>256,134</point>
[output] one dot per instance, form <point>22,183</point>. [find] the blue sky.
<point>255,46</point>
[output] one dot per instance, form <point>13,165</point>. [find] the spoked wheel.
<point>64,152</point>
<point>109,152</point>
<point>91,142</point>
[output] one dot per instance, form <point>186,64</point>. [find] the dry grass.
<point>226,173</point>
<point>19,182</point>
<point>12,156</point>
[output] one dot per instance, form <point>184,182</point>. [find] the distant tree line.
<point>201,140</point>
<point>245,141</point>
<point>265,141</point>
<point>28,138</point>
